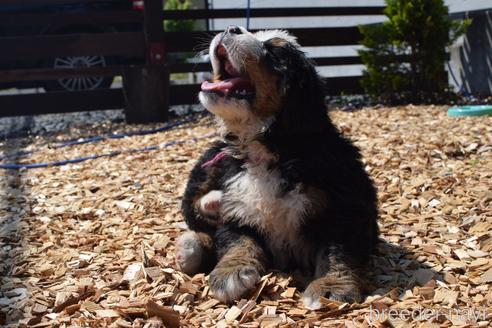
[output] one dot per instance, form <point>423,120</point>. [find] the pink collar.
<point>220,155</point>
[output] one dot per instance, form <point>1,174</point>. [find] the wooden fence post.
<point>146,87</point>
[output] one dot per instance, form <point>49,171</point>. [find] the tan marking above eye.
<point>279,42</point>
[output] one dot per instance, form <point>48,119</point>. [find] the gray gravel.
<point>18,126</point>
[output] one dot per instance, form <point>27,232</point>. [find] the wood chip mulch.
<point>92,244</point>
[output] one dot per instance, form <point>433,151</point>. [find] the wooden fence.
<point>147,92</point>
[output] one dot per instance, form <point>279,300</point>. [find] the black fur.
<point>310,151</point>
<point>203,180</point>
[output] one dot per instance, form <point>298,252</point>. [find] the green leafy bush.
<point>178,25</point>
<point>182,25</point>
<point>405,55</point>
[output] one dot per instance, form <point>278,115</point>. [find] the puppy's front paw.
<point>228,283</point>
<point>189,252</point>
<point>341,291</point>
<point>210,203</point>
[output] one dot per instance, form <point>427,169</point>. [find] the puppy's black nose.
<point>233,29</point>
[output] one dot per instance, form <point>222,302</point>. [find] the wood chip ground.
<point>92,244</point>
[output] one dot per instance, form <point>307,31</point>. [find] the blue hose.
<point>87,158</point>
<point>166,127</point>
<point>74,142</point>
<point>18,166</point>
<point>248,14</point>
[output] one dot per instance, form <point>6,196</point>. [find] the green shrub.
<point>178,25</point>
<point>182,25</point>
<point>405,55</point>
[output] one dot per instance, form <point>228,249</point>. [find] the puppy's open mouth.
<point>230,82</point>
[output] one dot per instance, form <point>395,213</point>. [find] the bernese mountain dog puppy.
<point>284,189</point>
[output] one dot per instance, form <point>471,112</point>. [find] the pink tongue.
<point>229,85</point>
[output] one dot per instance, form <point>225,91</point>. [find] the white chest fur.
<point>255,198</point>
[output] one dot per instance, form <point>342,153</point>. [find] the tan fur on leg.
<point>336,279</point>
<point>238,270</point>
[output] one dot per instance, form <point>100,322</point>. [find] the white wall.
<point>467,5</point>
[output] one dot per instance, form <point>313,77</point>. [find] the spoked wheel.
<point>79,83</point>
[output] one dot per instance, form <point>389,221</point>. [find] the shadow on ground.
<point>13,210</point>
<point>395,270</point>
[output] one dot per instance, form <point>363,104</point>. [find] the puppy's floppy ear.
<point>303,109</point>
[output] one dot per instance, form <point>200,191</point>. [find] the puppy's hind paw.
<point>230,283</point>
<point>340,291</point>
<point>189,252</point>
<point>311,302</point>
